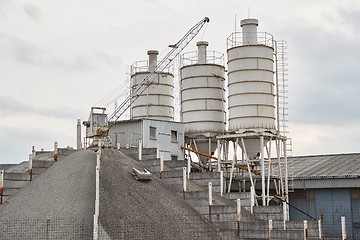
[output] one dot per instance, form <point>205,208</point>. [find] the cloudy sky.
<point>58,58</point>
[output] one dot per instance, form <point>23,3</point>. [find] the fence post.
<point>210,198</point>
<point>56,151</point>
<point>343,227</point>
<point>97,196</point>
<point>252,199</point>
<point>270,228</point>
<point>1,185</point>
<point>305,229</point>
<point>238,215</point>
<point>221,182</point>
<point>322,226</point>
<point>161,164</point>
<point>320,229</point>
<point>157,151</point>
<point>30,166</point>
<point>184,181</point>
<point>140,149</point>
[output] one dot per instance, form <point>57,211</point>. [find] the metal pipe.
<point>188,167</point>
<point>219,155</point>
<point>233,165</point>
<point>269,173</point>
<point>247,162</point>
<point>320,229</point>
<point>263,187</point>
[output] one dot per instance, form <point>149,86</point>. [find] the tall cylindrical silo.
<point>153,99</point>
<point>202,97</point>
<point>251,83</point>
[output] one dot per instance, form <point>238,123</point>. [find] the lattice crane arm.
<point>175,50</point>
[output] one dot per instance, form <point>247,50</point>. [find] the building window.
<point>152,134</point>
<point>174,158</point>
<point>174,136</point>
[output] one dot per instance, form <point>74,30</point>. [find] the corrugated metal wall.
<point>127,133</point>
<point>332,204</point>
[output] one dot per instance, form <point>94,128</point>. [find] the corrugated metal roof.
<point>325,166</point>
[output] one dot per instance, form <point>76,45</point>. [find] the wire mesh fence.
<point>44,229</point>
<point>192,228</point>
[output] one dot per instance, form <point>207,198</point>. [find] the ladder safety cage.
<point>175,50</point>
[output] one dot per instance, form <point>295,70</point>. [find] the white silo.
<point>202,97</point>
<point>154,99</point>
<point>251,84</point>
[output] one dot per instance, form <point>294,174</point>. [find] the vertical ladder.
<point>282,72</point>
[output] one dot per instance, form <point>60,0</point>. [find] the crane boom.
<point>175,50</point>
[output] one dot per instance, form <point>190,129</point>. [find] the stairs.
<point>222,212</point>
<point>17,176</point>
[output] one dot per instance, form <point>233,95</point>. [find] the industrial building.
<point>224,171</point>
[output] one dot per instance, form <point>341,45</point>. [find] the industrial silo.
<point>152,92</point>
<point>202,98</point>
<point>251,84</point>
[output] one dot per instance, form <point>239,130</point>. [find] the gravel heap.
<point>131,209</point>
<point>63,195</point>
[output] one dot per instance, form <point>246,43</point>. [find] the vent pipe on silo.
<point>249,30</point>
<point>152,59</point>
<point>202,45</point>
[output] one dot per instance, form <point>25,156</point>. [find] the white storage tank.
<point>251,80</point>
<point>202,97</point>
<point>155,98</point>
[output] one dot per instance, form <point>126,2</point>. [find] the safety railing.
<point>212,57</point>
<point>143,67</point>
<point>263,38</point>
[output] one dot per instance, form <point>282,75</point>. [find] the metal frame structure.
<point>269,168</point>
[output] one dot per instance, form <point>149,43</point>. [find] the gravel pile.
<point>131,209</point>
<point>65,191</point>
